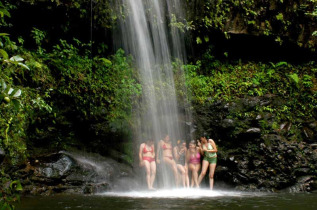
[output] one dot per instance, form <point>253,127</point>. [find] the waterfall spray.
<point>144,31</point>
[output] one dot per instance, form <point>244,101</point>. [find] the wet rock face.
<point>253,157</point>
<point>74,173</point>
<point>59,168</point>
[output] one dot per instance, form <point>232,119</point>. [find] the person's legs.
<point>182,171</point>
<point>173,166</point>
<point>203,170</point>
<point>148,173</point>
<point>197,168</point>
<point>153,173</point>
<point>192,169</point>
<point>212,168</point>
<point>186,177</point>
<point>195,177</point>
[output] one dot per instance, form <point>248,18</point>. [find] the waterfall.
<point>144,31</point>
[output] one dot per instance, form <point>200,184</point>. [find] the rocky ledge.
<point>256,150</point>
<point>74,172</point>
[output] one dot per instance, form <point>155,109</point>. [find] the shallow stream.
<point>173,199</point>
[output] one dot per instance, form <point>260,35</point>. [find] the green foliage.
<point>36,85</point>
<point>38,37</point>
<point>9,192</point>
<point>103,86</point>
<point>270,17</point>
<point>181,25</point>
<point>209,81</point>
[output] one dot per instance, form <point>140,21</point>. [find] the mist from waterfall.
<point>144,31</point>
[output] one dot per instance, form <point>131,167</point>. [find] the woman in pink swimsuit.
<point>193,159</point>
<point>167,152</point>
<point>147,160</point>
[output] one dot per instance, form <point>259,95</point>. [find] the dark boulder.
<point>74,172</point>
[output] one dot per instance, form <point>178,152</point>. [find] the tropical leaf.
<point>255,81</point>
<point>198,40</point>
<point>24,66</point>
<point>294,77</point>
<point>4,85</point>
<point>16,58</point>
<point>4,12</point>
<point>4,54</point>
<point>106,61</point>
<point>4,34</point>
<point>282,63</point>
<point>10,91</point>
<point>17,94</point>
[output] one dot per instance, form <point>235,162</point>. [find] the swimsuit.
<point>145,150</point>
<point>164,147</point>
<point>181,159</point>
<point>149,159</point>
<point>211,157</point>
<point>195,159</point>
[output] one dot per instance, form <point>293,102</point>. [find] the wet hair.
<point>180,142</point>
<point>204,136</point>
<point>150,139</point>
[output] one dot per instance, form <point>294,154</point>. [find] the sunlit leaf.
<point>282,63</point>
<point>10,91</point>
<point>294,77</point>
<point>198,40</point>
<point>4,85</point>
<point>16,58</point>
<point>17,94</point>
<point>106,61</point>
<point>4,54</point>
<point>24,66</point>
<point>19,187</point>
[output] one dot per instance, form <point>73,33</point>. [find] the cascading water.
<point>144,31</point>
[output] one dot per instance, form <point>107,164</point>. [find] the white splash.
<point>176,193</point>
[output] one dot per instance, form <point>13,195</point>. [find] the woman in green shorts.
<point>209,151</point>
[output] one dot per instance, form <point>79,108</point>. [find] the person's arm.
<point>140,153</point>
<point>176,155</point>
<point>200,149</point>
<point>187,157</point>
<point>158,152</point>
<point>153,151</point>
<point>186,152</point>
<point>213,144</point>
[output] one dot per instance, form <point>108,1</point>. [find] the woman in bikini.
<point>147,160</point>
<point>180,156</point>
<point>209,150</point>
<point>166,146</point>
<point>193,159</point>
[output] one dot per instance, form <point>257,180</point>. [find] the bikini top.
<point>164,147</point>
<point>145,150</point>
<point>209,154</point>
<point>195,158</point>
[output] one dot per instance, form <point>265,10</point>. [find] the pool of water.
<point>173,199</point>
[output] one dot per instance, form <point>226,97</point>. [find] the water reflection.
<point>174,199</point>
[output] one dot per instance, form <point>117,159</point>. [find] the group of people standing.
<point>180,160</point>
